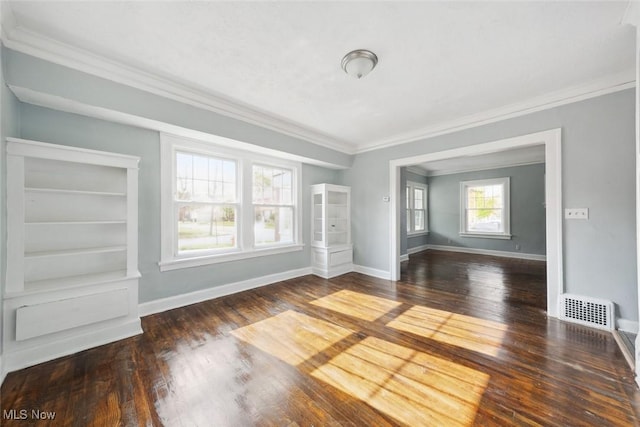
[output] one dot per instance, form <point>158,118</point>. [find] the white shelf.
<point>78,192</point>
<point>120,221</point>
<point>79,251</point>
<point>73,282</point>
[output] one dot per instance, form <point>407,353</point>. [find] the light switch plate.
<point>576,213</point>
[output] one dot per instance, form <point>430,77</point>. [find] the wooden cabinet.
<point>332,251</point>
<point>72,250</point>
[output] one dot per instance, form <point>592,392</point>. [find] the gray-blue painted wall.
<point>527,210</point>
<point>42,124</point>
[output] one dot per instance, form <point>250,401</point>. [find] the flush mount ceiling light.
<point>359,63</point>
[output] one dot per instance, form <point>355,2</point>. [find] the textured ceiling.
<point>439,61</point>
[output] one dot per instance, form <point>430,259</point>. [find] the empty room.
<point>319,213</point>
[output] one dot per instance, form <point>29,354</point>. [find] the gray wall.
<point>527,210</point>
<point>598,161</point>
<point>47,125</point>
<point>409,242</point>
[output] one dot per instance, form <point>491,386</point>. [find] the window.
<point>273,205</point>
<point>484,208</point>
<point>220,204</point>
<point>416,208</point>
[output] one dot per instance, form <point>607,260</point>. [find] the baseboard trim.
<point>627,325</point>
<point>504,254</point>
<point>404,257</point>
<point>417,249</point>
<point>177,301</point>
<point>23,358</point>
<point>373,272</point>
<point>626,352</point>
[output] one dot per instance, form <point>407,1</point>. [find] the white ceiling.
<point>512,157</point>
<point>441,64</point>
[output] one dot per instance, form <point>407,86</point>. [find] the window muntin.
<point>485,207</point>
<point>273,205</point>
<point>416,194</point>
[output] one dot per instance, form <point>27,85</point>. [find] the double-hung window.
<point>416,208</point>
<point>221,204</point>
<point>273,205</point>
<point>484,208</point>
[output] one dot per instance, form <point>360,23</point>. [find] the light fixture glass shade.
<point>359,63</point>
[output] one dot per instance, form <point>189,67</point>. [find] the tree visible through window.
<point>485,207</point>
<point>273,205</point>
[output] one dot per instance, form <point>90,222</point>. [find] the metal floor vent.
<point>592,312</point>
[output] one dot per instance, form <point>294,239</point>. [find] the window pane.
<point>408,220</point>
<point>272,185</point>
<point>418,198</point>
<point>205,178</point>
<point>273,225</point>
<point>202,227</point>
<point>418,220</point>
<point>408,199</point>
<point>485,220</point>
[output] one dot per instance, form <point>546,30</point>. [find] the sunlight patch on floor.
<point>472,333</point>
<point>356,304</point>
<point>291,336</point>
<point>413,387</point>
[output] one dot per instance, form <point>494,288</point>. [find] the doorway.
<point>551,140</point>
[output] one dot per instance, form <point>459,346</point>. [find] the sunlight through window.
<point>362,306</point>
<point>414,388</point>
<point>472,333</point>
<point>291,336</point>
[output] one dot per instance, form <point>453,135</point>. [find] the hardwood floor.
<point>461,340</point>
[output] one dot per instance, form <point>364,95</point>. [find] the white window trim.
<point>169,260</point>
<point>506,183</point>
<point>425,187</point>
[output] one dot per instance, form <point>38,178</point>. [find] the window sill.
<point>419,233</point>
<point>178,263</point>
<point>487,236</point>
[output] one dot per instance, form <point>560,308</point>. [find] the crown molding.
<point>34,44</point>
<point>609,84</point>
<point>485,168</point>
<point>418,170</point>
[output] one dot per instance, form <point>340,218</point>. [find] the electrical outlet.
<point>517,247</point>
<point>386,198</point>
<point>576,213</point>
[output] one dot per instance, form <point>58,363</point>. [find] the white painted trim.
<point>169,303</point>
<point>627,325</point>
<point>632,14</point>
<point>503,254</point>
<point>487,236</point>
<point>331,272</point>
<point>604,86</point>
<point>553,185</point>
<point>30,356</point>
<point>505,182</point>
<point>486,168</point>
<point>417,249</point>
<point>373,272</point>
<point>404,257</point>
<point>31,43</point>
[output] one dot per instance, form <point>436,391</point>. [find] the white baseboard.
<point>417,249</point>
<point>332,271</point>
<point>23,358</point>
<point>627,325</point>
<point>404,257</point>
<point>504,254</point>
<point>169,303</point>
<point>380,274</point>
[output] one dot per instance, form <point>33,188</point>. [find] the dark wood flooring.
<point>461,340</point>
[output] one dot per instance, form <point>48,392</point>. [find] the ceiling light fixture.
<point>359,63</point>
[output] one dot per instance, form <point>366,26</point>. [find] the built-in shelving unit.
<point>332,250</point>
<point>72,242</point>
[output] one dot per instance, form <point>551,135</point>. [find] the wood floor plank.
<point>460,340</point>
